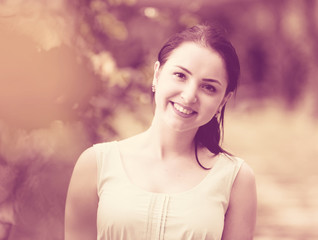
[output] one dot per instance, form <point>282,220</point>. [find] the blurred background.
<point>77,72</point>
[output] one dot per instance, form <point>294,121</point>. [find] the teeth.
<point>181,109</point>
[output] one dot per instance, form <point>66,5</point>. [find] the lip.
<point>181,114</point>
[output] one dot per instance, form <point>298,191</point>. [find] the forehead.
<point>198,59</point>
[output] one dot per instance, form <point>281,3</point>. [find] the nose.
<point>189,93</point>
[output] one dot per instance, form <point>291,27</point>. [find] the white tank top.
<point>127,212</point>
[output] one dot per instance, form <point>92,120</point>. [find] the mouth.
<point>184,111</point>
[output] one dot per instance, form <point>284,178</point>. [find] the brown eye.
<point>180,75</point>
<point>208,88</point>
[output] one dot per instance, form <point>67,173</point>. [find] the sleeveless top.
<point>127,212</point>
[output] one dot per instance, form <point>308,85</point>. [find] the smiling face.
<point>190,87</point>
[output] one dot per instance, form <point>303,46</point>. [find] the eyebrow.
<point>204,79</point>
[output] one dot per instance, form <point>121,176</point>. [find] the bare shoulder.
<point>86,163</point>
<point>245,176</point>
<point>240,217</point>
<point>82,199</point>
<point>244,186</point>
<point>133,141</point>
<point>133,145</point>
<point>84,175</point>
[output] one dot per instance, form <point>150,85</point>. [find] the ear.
<point>224,101</point>
<point>156,73</point>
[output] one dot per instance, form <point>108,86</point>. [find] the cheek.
<point>161,96</point>
<point>211,105</point>
<point>165,89</point>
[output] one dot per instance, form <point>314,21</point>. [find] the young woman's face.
<point>190,87</point>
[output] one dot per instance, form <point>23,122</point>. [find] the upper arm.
<point>240,217</point>
<point>82,199</point>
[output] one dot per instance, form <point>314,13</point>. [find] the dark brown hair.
<point>210,134</point>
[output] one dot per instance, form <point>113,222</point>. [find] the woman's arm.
<point>82,199</point>
<point>240,217</point>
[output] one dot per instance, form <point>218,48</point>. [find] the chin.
<point>181,128</point>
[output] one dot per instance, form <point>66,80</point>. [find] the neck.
<point>167,142</point>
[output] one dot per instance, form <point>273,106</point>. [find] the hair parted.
<point>213,36</point>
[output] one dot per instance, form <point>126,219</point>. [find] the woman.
<point>173,181</point>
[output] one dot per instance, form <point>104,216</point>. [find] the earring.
<point>153,88</point>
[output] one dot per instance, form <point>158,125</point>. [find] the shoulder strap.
<point>225,172</point>
<point>105,154</point>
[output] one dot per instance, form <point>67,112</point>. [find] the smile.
<point>182,109</point>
